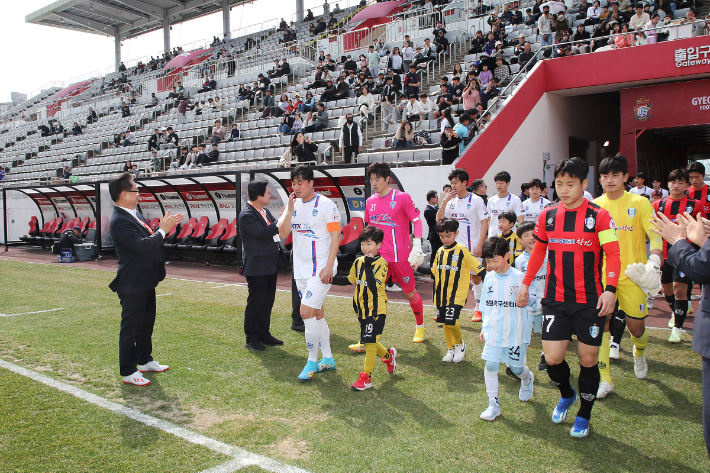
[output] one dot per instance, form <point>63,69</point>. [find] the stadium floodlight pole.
<point>299,10</point>
<point>225,18</point>
<point>166,33</point>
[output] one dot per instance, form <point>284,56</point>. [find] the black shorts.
<point>448,315</point>
<point>371,327</point>
<point>670,273</point>
<point>562,319</point>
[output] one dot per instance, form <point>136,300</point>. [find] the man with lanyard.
<point>393,211</point>
<point>469,210</point>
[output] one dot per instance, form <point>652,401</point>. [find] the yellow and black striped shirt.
<point>370,277</point>
<point>514,245</point>
<point>452,266</point>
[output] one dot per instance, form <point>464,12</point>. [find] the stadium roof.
<point>124,18</point>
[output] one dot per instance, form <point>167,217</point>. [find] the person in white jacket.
<point>366,104</point>
<point>544,27</point>
<point>413,111</point>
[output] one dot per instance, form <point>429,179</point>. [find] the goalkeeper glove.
<point>416,256</point>
<point>647,276</point>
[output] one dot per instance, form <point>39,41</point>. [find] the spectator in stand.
<point>281,107</point>
<point>442,43</point>
<point>527,56</point>
<point>594,14</point>
<point>308,104</point>
<point>396,81</point>
<point>154,140</point>
<point>170,139</point>
<point>286,124</point>
<point>478,43</point>
<point>485,76</point>
<point>153,101</point>
<point>67,173</point>
<point>462,130</point>
<point>129,139</point>
<point>234,134</point>
<point>218,132</point>
<point>282,25</point>
<point>303,149</point>
<point>388,99</point>
<point>446,120</point>
<point>439,28</point>
<point>561,26</point>
<point>428,106</point>
<point>125,111</point>
<point>297,124</point>
<point>268,104</point>
<point>490,92</point>
<point>309,15</point>
<point>350,141</point>
<point>332,23</point>
<point>502,72</point>
<point>92,118</point>
<point>639,20</point>
<point>517,15</point>
<point>373,61</point>
<point>76,130</point>
<point>337,9</point>
<point>366,105</point>
<point>319,27</point>
<point>650,29</point>
<point>395,61</point>
<point>544,26</point>
<point>407,55</point>
<point>404,138</point>
<point>206,158</point>
<point>320,120</point>
<point>413,111</point>
<point>411,81</point>
<point>190,160</point>
<point>273,72</point>
<point>625,39</point>
<point>602,30</point>
<point>699,29</point>
<point>457,89</point>
<point>182,110</point>
<point>329,92</point>
<point>507,15</point>
<point>342,91</point>
<point>581,35</point>
<point>443,101</point>
<point>450,145</point>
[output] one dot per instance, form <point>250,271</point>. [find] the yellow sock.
<point>370,357</point>
<point>640,343</point>
<point>604,359</point>
<point>449,334</point>
<point>381,350</point>
<point>456,331</point>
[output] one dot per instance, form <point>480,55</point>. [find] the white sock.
<point>491,378</point>
<point>525,375</point>
<point>313,336</point>
<point>324,339</point>
<point>477,289</point>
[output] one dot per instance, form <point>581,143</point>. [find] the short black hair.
<point>372,233</point>
<point>304,173</point>
<point>524,186</point>
<point>445,186</point>
<point>656,178</point>
<point>535,182</point>
<point>447,225</point>
<point>573,167</point>
<point>612,164</point>
<point>641,175</point>
<point>476,184</point>
<point>524,227</point>
<point>116,185</point>
<point>459,174</point>
<point>510,216</point>
<point>379,169</point>
<point>256,188</point>
<point>502,176</point>
<point>430,195</point>
<point>494,246</point>
<point>696,167</point>
<point>678,174</point>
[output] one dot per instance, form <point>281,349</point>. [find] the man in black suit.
<point>259,233</point>
<point>140,269</point>
<point>432,207</point>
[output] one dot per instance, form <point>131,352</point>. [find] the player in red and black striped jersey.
<point>675,283</point>
<point>698,190</point>
<point>574,233</point>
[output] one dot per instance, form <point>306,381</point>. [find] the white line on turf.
<point>227,467</point>
<point>35,312</point>
<point>166,294</point>
<point>238,454</point>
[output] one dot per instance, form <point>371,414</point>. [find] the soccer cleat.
<point>491,412</point>
<point>136,379</point>
<point>477,316</point>
<point>649,301</point>
<point>580,428</point>
<point>357,347</point>
<point>394,288</point>
<point>326,364</point>
<point>671,323</point>
<point>562,407</point>
<point>418,335</point>
<point>690,309</point>
<point>152,366</point>
<point>605,388</point>
<point>449,357</point>
<point>459,352</point>
<point>675,335</point>
<point>510,373</point>
<point>526,389</point>
<point>613,352</point>
<point>640,366</point>
<point>542,366</point>
<point>391,362</point>
<point>363,382</point>
<point>308,371</point>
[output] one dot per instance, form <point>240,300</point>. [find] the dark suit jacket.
<point>430,217</point>
<point>261,252</point>
<point>696,264</point>
<point>140,257</point>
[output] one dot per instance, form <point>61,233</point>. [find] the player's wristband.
<point>416,242</point>
<point>610,288</point>
<point>656,260</point>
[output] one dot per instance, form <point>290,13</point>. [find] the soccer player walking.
<point>314,221</point>
<point>504,201</point>
<point>573,233</point>
<point>534,205</point>
<point>470,211</point>
<point>631,213</point>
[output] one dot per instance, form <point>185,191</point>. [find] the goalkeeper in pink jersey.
<point>392,211</point>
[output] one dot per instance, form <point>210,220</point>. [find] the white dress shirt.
<point>135,215</point>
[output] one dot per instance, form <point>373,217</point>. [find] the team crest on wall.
<point>642,110</point>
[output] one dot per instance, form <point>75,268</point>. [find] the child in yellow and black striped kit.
<point>369,274</point>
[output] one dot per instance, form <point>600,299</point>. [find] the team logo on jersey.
<point>405,279</point>
<point>589,222</point>
<point>513,290</point>
<point>392,204</point>
<point>455,258</point>
<point>468,206</point>
<point>550,220</point>
<point>707,198</point>
<point>689,209</point>
<point>631,212</point>
<point>293,214</point>
<point>315,212</point>
<point>308,294</point>
<point>507,204</point>
<point>594,331</point>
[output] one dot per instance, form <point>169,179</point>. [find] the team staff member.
<point>140,269</point>
<point>260,234</point>
<point>575,232</point>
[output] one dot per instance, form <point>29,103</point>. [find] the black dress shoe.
<point>298,327</point>
<point>255,346</point>
<point>271,341</point>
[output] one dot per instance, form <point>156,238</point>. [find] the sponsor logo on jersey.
<point>610,274</point>
<point>584,242</point>
<point>625,228</point>
<point>631,212</point>
<point>303,229</point>
<point>492,303</point>
<point>612,224</point>
<point>490,290</point>
<point>550,220</point>
<point>392,204</point>
<point>594,331</point>
<point>383,219</point>
<point>308,294</point>
<point>460,217</point>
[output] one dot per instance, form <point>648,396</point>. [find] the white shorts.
<point>312,291</point>
<point>511,356</point>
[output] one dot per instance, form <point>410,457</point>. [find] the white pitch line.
<point>238,454</point>
<point>166,294</point>
<point>229,466</point>
<point>35,312</point>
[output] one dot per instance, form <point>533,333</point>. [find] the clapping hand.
<point>168,222</point>
<point>668,230</point>
<point>694,229</point>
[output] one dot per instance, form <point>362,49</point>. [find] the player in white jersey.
<point>314,221</point>
<point>506,328</point>
<point>504,201</point>
<point>527,240</point>
<point>534,205</point>
<point>470,211</point>
<point>641,187</point>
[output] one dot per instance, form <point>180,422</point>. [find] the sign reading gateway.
<point>685,57</point>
